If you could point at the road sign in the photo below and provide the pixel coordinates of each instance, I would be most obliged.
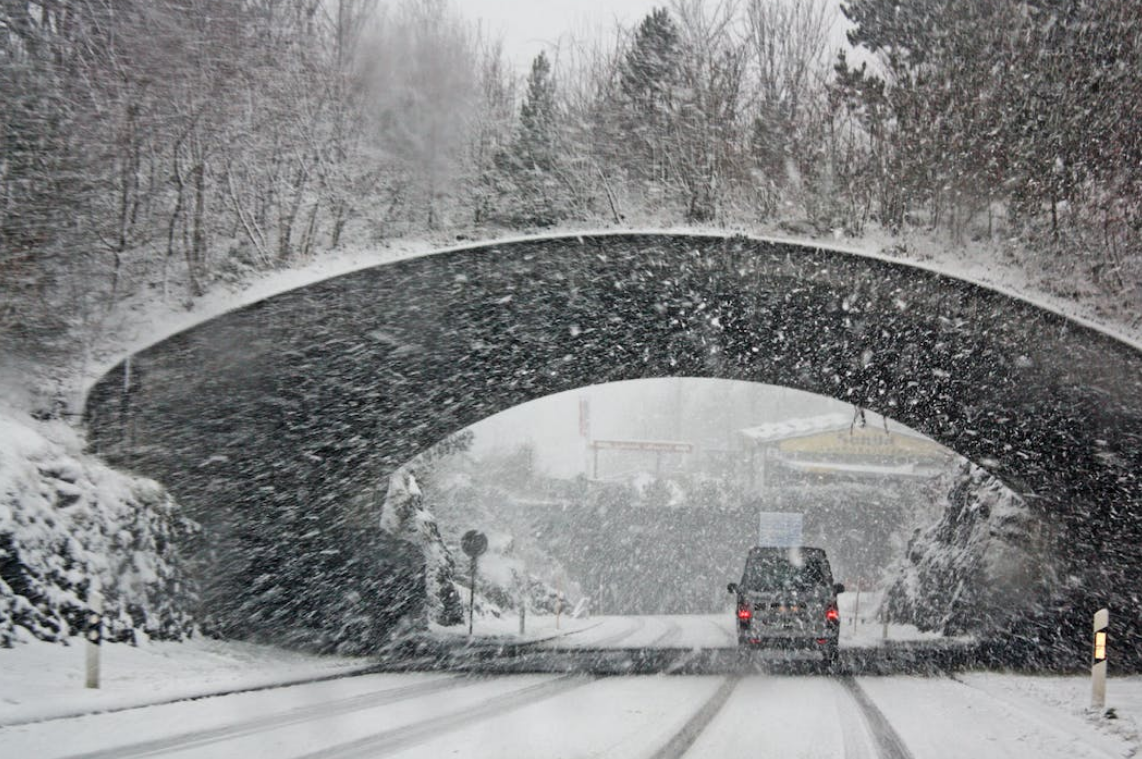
(654, 446)
(779, 528)
(657, 447)
(474, 543)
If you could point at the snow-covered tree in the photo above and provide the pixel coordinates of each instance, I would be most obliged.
(403, 515)
(67, 521)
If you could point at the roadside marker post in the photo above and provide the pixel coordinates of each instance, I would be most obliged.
(521, 590)
(94, 633)
(473, 543)
(1098, 660)
(559, 603)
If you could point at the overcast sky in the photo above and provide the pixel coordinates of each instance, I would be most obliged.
(705, 412)
(528, 26)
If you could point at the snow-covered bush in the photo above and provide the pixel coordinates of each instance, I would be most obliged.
(66, 519)
(404, 516)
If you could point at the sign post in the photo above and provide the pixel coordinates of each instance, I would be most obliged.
(474, 543)
(1098, 660)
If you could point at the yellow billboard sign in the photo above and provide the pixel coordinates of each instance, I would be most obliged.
(863, 443)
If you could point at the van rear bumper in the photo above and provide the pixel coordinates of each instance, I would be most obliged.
(755, 639)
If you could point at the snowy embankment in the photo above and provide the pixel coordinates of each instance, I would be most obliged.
(985, 558)
(41, 681)
(68, 520)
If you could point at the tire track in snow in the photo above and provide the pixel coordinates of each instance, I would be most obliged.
(731, 637)
(610, 640)
(371, 669)
(399, 738)
(681, 742)
(273, 721)
(888, 743)
(672, 630)
(856, 734)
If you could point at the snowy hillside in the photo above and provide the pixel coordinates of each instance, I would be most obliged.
(66, 518)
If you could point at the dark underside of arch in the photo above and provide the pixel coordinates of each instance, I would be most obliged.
(285, 411)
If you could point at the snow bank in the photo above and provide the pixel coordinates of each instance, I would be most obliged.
(65, 519)
(40, 681)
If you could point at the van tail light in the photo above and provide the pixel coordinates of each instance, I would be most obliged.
(744, 614)
(832, 614)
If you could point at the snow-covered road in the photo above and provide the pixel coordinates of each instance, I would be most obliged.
(752, 709)
(705, 631)
(681, 631)
(433, 715)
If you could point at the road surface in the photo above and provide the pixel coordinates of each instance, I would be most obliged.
(748, 713)
(419, 716)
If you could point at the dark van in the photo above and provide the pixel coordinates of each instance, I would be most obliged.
(787, 599)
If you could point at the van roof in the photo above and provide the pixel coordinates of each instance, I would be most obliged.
(786, 549)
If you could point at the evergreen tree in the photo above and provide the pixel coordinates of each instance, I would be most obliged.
(1034, 105)
(946, 67)
(537, 188)
(535, 145)
(648, 79)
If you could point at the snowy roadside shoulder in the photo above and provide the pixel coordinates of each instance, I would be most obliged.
(504, 630)
(41, 681)
(1046, 696)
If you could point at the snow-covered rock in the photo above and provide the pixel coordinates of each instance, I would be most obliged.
(67, 519)
(985, 562)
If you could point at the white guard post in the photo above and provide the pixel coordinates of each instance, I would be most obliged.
(94, 633)
(559, 603)
(521, 591)
(1098, 660)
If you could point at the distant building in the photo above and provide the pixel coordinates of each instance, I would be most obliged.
(837, 447)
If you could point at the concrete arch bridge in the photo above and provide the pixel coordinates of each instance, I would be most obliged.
(268, 422)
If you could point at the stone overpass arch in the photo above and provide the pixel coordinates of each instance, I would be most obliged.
(296, 404)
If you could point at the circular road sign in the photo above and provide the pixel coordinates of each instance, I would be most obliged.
(474, 543)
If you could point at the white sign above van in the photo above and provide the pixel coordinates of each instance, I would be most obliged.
(779, 528)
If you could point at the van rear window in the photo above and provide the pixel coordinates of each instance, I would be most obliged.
(777, 572)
